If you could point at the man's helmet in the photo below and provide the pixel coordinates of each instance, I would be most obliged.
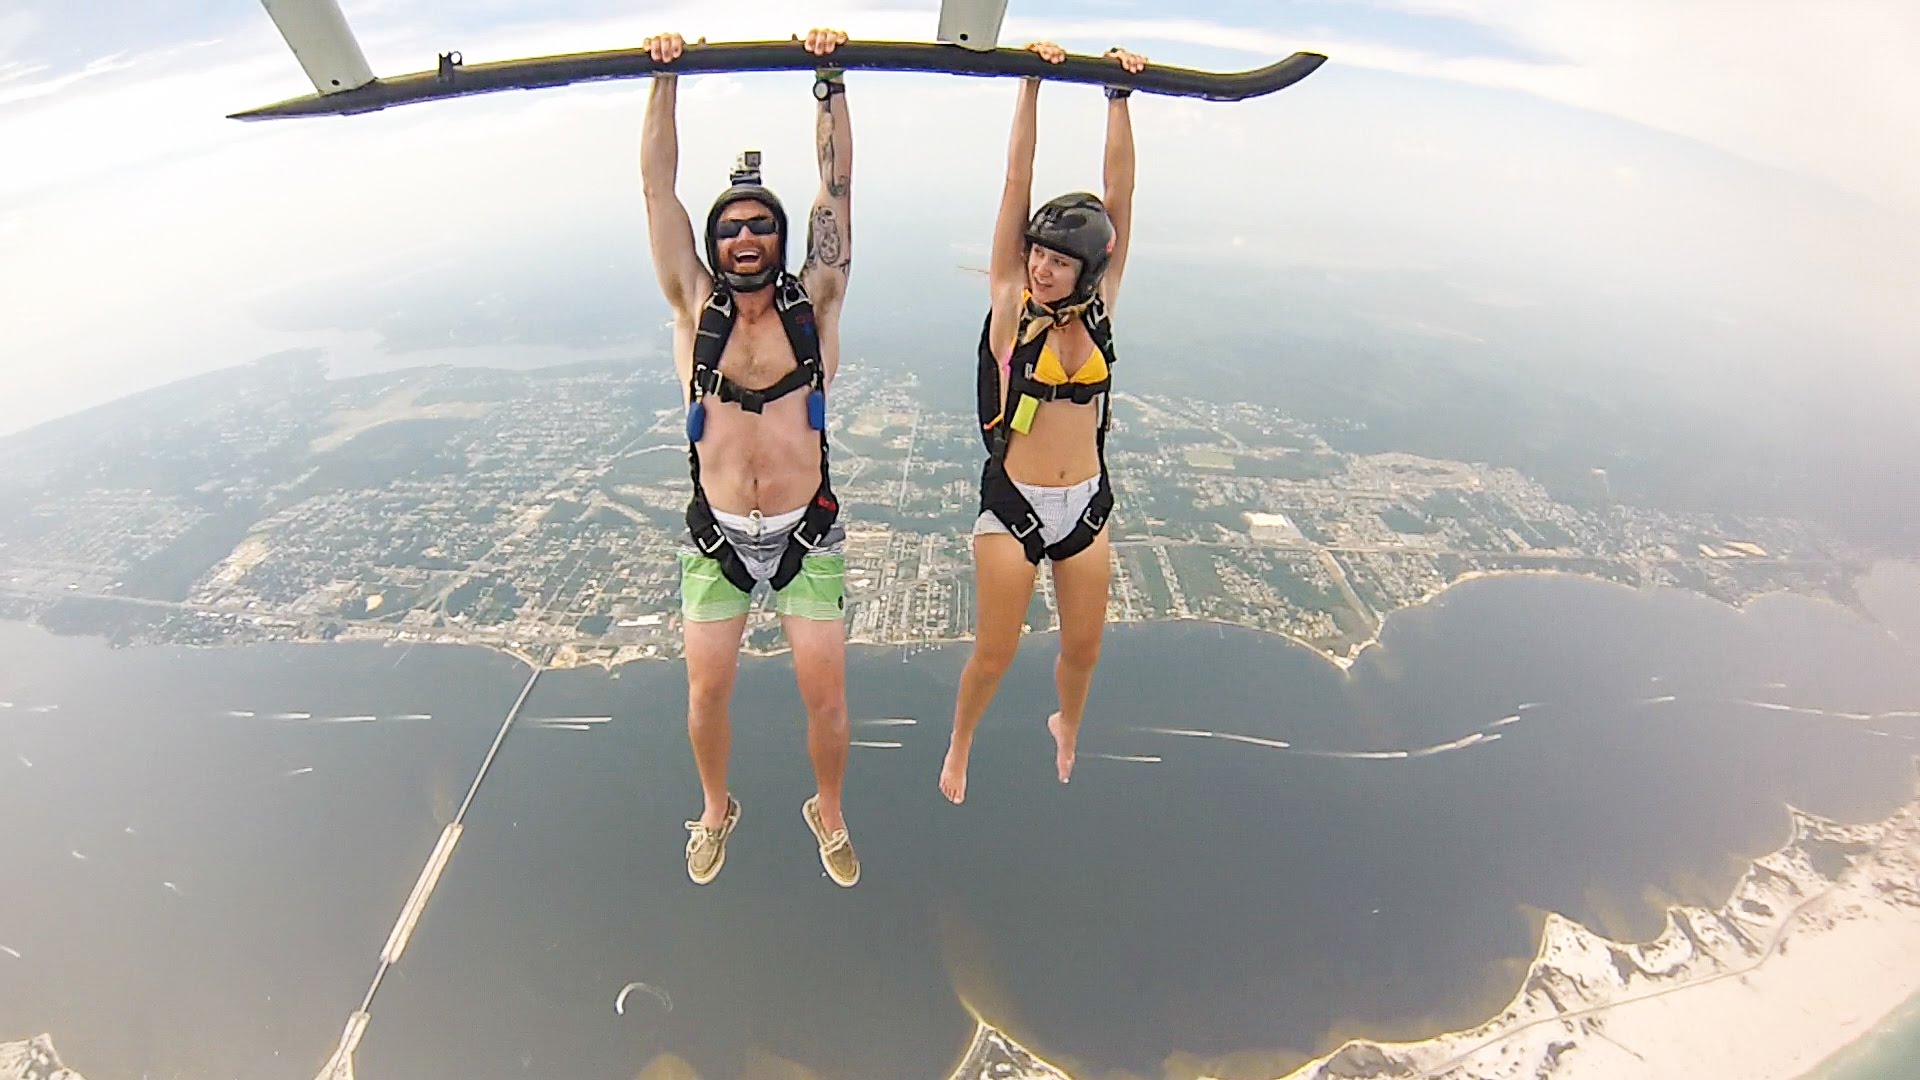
(745, 180)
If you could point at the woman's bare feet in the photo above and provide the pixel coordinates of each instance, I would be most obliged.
(953, 774)
(1064, 738)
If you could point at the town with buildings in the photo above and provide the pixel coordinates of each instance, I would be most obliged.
(542, 512)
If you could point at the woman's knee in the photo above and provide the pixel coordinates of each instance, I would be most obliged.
(1080, 651)
(992, 658)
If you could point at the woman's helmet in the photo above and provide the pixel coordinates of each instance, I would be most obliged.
(1076, 226)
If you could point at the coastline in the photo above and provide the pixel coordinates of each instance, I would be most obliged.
(34, 1059)
(1344, 663)
(577, 654)
(1794, 967)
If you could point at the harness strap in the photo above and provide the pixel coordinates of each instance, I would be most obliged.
(998, 493)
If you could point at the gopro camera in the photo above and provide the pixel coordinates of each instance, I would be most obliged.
(746, 169)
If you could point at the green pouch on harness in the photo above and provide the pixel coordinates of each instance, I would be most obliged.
(1023, 413)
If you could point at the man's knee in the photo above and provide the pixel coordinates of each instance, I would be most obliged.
(823, 690)
(708, 693)
(827, 713)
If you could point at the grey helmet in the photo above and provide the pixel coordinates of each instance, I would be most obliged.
(1076, 226)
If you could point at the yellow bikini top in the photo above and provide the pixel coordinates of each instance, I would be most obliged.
(1049, 370)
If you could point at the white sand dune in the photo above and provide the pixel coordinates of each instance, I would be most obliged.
(1717, 994)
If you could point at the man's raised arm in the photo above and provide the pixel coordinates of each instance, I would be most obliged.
(830, 225)
(675, 260)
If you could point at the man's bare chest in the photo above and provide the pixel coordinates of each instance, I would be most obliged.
(758, 354)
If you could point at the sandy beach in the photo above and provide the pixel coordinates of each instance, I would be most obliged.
(1792, 968)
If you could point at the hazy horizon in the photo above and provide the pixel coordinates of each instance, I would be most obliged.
(149, 238)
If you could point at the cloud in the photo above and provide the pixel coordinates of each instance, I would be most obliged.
(14, 69)
(45, 87)
(1830, 92)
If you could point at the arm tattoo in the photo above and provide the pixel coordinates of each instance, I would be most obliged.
(829, 166)
(825, 246)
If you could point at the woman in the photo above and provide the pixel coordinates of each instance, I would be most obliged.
(1045, 353)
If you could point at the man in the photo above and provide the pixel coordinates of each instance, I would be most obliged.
(756, 349)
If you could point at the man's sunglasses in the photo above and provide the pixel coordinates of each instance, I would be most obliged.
(728, 228)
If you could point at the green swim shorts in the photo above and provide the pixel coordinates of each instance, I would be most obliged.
(816, 593)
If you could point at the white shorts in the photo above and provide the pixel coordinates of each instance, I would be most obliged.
(1058, 508)
(761, 541)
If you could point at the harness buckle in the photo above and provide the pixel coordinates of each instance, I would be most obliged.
(1033, 526)
(753, 401)
(790, 294)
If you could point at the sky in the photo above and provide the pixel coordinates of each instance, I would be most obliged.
(1749, 160)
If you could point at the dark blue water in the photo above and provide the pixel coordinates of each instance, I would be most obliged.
(1231, 907)
(283, 887)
